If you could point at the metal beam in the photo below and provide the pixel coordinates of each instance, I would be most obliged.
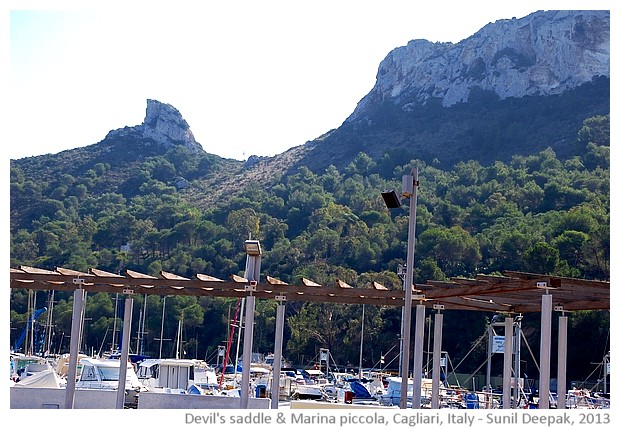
(277, 353)
(507, 363)
(437, 336)
(545, 351)
(562, 352)
(124, 358)
(74, 346)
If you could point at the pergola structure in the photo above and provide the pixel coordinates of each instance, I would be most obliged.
(514, 292)
(511, 294)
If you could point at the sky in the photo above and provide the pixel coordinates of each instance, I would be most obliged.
(249, 77)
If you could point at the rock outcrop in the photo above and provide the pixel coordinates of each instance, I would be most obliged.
(163, 125)
(544, 53)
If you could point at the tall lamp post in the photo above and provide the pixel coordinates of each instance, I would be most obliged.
(252, 274)
(391, 199)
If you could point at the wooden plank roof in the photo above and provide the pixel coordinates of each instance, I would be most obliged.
(512, 292)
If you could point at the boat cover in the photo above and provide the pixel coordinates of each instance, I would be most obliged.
(359, 390)
(46, 378)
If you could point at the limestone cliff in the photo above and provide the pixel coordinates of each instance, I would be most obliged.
(544, 53)
(162, 125)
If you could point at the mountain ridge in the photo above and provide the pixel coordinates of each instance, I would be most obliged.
(544, 53)
(392, 123)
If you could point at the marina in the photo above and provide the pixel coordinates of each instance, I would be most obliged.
(183, 383)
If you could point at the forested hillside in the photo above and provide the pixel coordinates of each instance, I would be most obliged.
(538, 213)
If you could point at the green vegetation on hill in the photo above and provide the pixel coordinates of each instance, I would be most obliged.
(537, 212)
(484, 128)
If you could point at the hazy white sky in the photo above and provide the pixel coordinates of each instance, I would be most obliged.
(250, 77)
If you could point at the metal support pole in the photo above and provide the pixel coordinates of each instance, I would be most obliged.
(418, 356)
(517, 364)
(605, 371)
(562, 348)
(252, 274)
(406, 330)
(74, 347)
(489, 388)
(545, 351)
(161, 332)
(402, 335)
(359, 375)
(247, 350)
(122, 374)
(277, 353)
(508, 321)
(437, 337)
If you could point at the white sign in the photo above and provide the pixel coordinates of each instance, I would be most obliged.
(499, 343)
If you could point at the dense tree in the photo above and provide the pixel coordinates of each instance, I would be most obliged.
(538, 213)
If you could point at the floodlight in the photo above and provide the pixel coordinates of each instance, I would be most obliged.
(252, 247)
(391, 199)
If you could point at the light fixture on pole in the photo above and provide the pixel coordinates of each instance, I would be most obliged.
(391, 199)
(252, 247)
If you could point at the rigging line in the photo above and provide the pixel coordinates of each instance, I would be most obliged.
(103, 342)
(209, 357)
(453, 369)
(232, 333)
(314, 359)
(334, 361)
(530, 350)
(599, 365)
(390, 362)
(386, 353)
(475, 371)
(478, 341)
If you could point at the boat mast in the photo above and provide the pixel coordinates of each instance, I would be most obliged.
(141, 350)
(138, 334)
(239, 335)
(179, 350)
(114, 325)
(232, 333)
(49, 327)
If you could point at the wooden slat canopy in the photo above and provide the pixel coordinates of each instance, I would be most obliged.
(513, 292)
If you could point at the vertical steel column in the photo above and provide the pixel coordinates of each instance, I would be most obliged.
(562, 350)
(517, 364)
(252, 273)
(508, 321)
(437, 337)
(122, 374)
(402, 336)
(409, 182)
(248, 336)
(418, 356)
(74, 346)
(359, 375)
(489, 389)
(161, 332)
(545, 351)
(277, 353)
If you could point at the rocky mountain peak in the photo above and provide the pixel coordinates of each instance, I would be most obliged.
(165, 125)
(544, 53)
(162, 125)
